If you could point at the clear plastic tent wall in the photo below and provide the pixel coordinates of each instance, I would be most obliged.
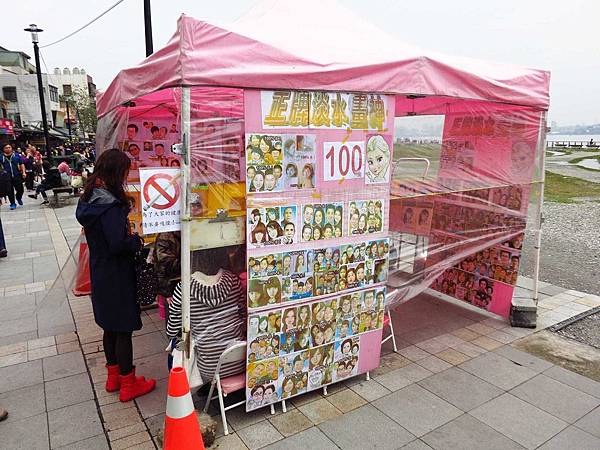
(464, 177)
(325, 244)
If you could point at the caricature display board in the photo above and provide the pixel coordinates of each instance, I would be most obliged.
(317, 185)
(148, 143)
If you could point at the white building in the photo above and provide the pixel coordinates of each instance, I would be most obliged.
(19, 89)
(68, 81)
(19, 98)
(21, 94)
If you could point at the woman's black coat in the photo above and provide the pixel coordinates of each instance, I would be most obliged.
(112, 264)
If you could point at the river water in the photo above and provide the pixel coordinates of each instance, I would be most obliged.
(573, 137)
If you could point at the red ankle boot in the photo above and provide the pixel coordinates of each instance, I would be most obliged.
(133, 387)
(112, 381)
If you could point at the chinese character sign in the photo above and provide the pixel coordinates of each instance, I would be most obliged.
(327, 110)
(161, 204)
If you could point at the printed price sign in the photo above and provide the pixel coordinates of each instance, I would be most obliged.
(343, 160)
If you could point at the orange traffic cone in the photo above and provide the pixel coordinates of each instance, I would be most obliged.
(83, 284)
(182, 431)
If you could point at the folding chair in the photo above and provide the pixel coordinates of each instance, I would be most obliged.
(236, 352)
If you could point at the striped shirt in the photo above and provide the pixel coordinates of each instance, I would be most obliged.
(217, 317)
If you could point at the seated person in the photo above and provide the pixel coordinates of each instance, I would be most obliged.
(217, 312)
(52, 179)
(65, 173)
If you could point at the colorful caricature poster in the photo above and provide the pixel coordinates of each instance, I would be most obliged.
(297, 275)
(486, 275)
(264, 163)
(299, 161)
(148, 144)
(272, 226)
(365, 217)
(300, 348)
(278, 162)
(322, 221)
(379, 157)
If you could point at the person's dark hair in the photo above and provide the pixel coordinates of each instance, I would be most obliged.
(210, 261)
(154, 128)
(131, 125)
(256, 388)
(111, 168)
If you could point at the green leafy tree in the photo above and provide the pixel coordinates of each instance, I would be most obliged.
(82, 107)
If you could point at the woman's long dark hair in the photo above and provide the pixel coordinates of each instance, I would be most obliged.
(110, 172)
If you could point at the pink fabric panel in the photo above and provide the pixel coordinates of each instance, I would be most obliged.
(233, 383)
(501, 300)
(370, 350)
(254, 53)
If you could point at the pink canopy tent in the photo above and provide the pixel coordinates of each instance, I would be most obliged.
(313, 53)
(487, 167)
(205, 79)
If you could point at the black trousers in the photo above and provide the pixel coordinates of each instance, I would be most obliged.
(118, 349)
(29, 180)
(16, 189)
(41, 189)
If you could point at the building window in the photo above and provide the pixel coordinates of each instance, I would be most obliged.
(53, 93)
(9, 93)
(67, 90)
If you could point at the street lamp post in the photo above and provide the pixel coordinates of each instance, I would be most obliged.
(68, 120)
(34, 30)
(148, 28)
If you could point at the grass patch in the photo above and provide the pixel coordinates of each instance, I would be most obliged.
(564, 150)
(563, 189)
(576, 161)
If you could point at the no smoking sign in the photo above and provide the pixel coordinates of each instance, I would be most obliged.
(160, 200)
(164, 187)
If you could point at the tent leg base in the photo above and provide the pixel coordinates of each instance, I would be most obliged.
(523, 313)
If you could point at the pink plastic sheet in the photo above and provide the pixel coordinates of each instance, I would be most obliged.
(456, 231)
(459, 229)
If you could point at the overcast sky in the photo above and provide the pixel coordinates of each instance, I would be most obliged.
(558, 35)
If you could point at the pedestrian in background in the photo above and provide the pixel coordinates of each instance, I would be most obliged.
(14, 167)
(29, 167)
(52, 179)
(102, 211)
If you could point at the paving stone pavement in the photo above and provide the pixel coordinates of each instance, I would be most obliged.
(455, 383)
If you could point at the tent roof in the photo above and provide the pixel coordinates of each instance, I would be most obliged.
(317, 45)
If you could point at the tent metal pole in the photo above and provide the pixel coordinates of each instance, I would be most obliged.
(540, 201)
(185, 223)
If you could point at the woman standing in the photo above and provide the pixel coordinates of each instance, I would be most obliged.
(103, 210)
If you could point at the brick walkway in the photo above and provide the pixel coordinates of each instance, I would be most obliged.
(456, 381)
